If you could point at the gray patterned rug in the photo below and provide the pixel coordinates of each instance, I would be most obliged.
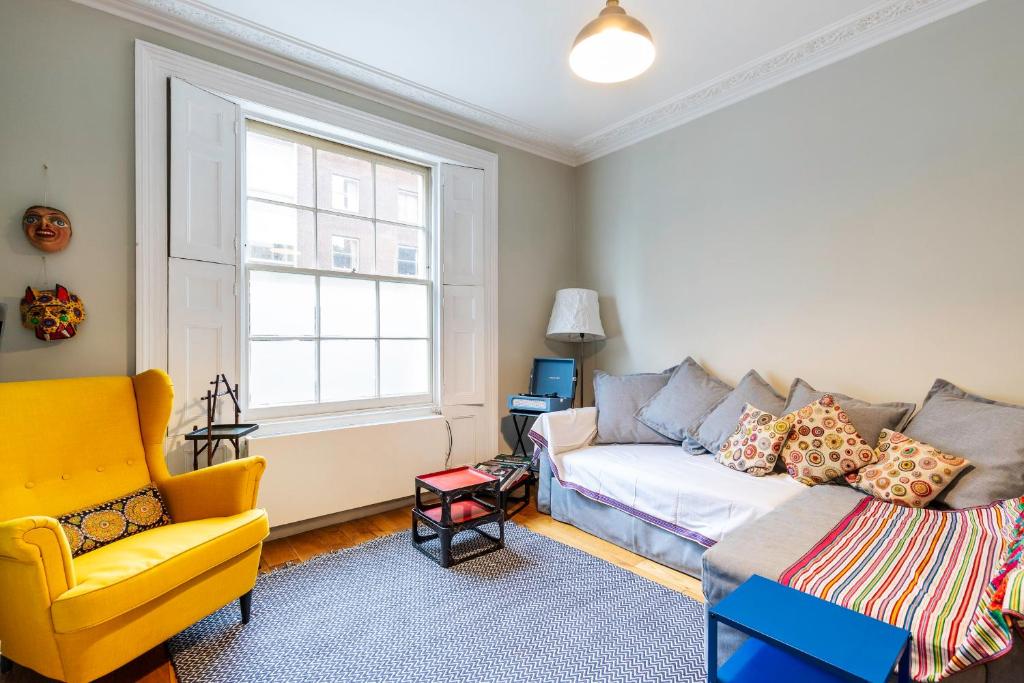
(536, 611)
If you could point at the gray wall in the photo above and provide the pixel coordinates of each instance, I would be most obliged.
(66, 99)
(860, 226)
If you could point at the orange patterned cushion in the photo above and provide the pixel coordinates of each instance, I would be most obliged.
(107, 522)
(824, 444)
(908, 472)
(755, 445)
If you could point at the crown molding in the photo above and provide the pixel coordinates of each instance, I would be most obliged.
(200, 23)
(884, 21)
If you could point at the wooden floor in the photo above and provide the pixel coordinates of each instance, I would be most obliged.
(154, 666)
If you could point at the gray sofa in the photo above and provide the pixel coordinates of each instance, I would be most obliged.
(766, 546)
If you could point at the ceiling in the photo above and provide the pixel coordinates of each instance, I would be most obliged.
(501, 66)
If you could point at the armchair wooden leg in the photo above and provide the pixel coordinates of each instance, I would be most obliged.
(5, 665)
(245, 602)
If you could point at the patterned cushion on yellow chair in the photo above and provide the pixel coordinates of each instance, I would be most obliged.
(824, 444)
(909, 472)
(105, 523)
(755, 445)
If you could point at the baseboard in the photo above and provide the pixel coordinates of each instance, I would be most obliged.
(286, 530)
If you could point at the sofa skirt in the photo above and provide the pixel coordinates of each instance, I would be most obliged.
(615, 526)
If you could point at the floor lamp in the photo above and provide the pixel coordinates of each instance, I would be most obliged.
(576, 317)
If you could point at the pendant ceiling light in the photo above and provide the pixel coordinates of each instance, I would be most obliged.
(614, 47)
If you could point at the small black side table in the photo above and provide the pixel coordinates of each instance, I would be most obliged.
(520, 427)
(212, 436)
(460, 508)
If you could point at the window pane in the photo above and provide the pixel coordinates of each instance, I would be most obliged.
(404, 310)
(400, 194)
(278, 169)
(345, 244)
(404, 367)
(344, 183)
(282, 372)
(347, 370)
(281, 304)
(401, 251)
(278, 235)
(348, 308)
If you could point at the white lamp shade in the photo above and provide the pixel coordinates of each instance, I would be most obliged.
(576, 316)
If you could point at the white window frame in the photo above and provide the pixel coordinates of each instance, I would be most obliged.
(432, 188)
(353, 254)
(154, 65)
(346, 184)
(406, 194)
(399, 260)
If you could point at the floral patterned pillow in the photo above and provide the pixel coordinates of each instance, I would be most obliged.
(755, 445)
(908, 472)
(824, 444)
(105, 523)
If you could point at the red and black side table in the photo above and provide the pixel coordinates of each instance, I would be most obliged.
(461, 506)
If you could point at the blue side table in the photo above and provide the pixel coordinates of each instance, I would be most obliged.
(798, 637)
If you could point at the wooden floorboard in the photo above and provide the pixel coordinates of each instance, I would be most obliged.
(155, 667)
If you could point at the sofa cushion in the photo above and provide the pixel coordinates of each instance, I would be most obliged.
(119, 577)
(869, 418)
(771, 544)
(100, 525)
(695, 498)
(617, 399)
(689, 395)
(755, 445)
(824, 443)
(988, 433)
(908, 473)
(718, 425)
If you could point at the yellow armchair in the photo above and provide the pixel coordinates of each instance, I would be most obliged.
(67, 444)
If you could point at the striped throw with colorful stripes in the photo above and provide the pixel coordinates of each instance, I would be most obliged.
(954, 579)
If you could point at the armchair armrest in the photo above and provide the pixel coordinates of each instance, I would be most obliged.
(39, 542)
(218, 491)
(565, 430)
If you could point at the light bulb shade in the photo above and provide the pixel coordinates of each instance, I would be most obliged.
(614, 47)
(576, 316)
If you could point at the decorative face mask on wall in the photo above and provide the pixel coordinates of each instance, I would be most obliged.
(46, 228)
(53, 313)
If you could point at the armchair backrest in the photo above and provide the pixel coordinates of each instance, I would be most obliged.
(69, 443)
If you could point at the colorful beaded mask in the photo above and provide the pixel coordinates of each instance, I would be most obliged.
(53, 313)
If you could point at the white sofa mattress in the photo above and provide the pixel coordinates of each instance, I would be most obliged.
(692, 496)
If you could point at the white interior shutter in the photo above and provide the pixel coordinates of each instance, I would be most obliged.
(463, 345)
(201, 337)
(462, 226)
(203, 175)
(464, 340)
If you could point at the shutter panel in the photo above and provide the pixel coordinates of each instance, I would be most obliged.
(463, 345)
(462, 226)
(201, 316)
(203, 175)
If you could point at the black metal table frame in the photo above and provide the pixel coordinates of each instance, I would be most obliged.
(520, 501)
(521, 428)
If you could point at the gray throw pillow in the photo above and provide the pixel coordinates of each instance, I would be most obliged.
(617, 399)
(869, 418)
(690, 394)
(988, 433)
(716, 428)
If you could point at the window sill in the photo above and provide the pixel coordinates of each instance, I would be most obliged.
(323, 423)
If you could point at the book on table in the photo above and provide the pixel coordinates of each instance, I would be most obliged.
(508, 474)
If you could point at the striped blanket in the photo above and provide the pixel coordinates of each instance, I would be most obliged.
(955, 579)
